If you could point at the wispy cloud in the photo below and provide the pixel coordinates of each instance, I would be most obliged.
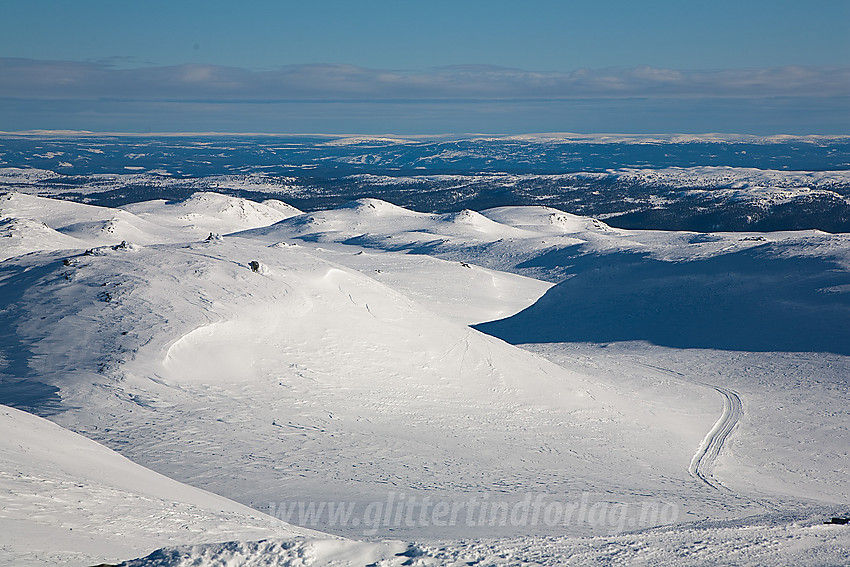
(44, 80)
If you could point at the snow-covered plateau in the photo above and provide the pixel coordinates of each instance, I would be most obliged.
(221, 381)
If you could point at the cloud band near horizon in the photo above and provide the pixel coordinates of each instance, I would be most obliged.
(324, 98)
(44, 80)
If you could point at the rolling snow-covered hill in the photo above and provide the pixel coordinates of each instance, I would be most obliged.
(326, 358)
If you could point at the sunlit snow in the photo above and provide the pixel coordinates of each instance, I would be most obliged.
(505, 386)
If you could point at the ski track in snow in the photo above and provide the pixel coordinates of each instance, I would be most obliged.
(709, 449)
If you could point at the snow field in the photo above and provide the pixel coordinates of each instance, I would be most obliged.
(326, 357)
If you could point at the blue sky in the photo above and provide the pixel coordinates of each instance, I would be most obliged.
(763, 67)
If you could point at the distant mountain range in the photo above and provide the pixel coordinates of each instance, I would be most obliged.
(699, 183)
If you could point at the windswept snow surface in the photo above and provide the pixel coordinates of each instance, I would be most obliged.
(68, 501)
(283, 553)
(802, 543)
(320, 367)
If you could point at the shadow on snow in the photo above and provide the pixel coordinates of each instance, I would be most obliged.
(751, 300)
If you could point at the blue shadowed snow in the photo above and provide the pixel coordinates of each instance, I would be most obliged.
(750, 300)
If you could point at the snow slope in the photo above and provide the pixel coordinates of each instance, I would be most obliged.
(758, 294)
(40, 223)
(68, 500)
(266, 367)
(23, 235)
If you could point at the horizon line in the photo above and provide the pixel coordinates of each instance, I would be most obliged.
(708, 136)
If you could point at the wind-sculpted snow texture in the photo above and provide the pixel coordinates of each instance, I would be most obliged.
(321, 367)
(802, 544)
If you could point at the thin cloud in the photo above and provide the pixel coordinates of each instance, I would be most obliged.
(57, 80)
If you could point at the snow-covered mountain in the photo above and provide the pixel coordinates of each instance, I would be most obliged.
(687, 388)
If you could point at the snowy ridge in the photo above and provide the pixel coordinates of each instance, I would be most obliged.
(664, 138)
(25, 176)
(732, 178)
(86, 225)
(46, 183)
(213, 212)
(23, 235)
